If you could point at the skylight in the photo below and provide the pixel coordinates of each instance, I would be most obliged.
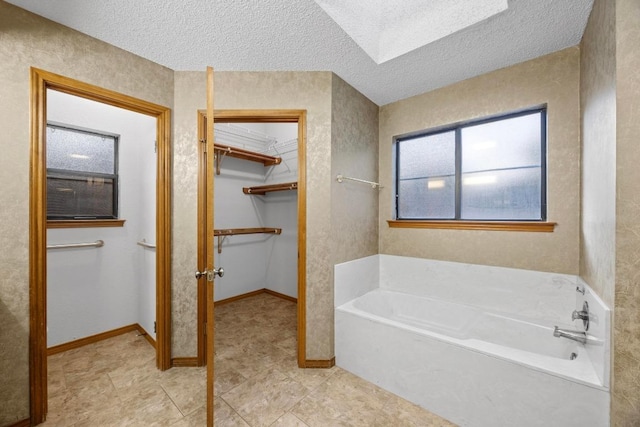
(386, 29)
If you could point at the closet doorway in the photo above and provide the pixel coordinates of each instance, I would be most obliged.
(259, 177)
(64, 110)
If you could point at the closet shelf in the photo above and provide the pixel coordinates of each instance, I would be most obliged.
(264, 189)
(224, 150)
(223, 233)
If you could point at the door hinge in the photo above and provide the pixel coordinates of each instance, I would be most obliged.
(154, 327)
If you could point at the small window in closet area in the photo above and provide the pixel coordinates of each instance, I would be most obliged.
(82, 173)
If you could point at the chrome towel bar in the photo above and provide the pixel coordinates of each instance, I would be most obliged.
(96, 244)
(144, 244)
(341, 178)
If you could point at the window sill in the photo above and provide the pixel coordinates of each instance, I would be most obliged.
(85, 223)
(532, 226)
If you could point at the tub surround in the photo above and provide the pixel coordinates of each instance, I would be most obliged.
(387, 315)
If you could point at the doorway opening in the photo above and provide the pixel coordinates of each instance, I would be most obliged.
(45, 85)
(259, 139)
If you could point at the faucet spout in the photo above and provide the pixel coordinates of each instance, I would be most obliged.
(579, 336)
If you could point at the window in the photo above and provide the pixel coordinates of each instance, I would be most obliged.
(82, 167)
(489, 170)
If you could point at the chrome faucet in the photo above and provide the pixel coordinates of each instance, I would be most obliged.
(582, 315)
(579, 336)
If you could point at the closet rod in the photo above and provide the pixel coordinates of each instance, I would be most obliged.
(223, 233)
(96, 244)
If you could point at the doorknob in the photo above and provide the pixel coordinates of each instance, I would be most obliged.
(210, 274)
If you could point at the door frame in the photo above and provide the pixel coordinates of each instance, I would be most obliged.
(262, 116)
(41, 81)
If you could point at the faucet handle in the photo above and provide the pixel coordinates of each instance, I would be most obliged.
(582, 315)
(579, 315)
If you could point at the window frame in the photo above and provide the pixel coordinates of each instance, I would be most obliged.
(66, 221)
(467, 223)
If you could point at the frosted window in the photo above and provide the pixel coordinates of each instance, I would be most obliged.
(426, 183)
(82, 181)
(75, 150)
(502, 170)
(489, 170)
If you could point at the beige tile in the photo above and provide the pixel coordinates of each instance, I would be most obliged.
(289, 420)
(187, 388)
(115, 382)
(225, 416)
(408, 414)
(265, 397)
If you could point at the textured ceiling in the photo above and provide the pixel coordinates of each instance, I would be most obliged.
(298, 35)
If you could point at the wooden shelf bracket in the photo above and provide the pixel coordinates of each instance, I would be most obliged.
(264, 189)
(222, 234)
(225, 150)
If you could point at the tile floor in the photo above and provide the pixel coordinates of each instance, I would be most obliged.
(115, 382)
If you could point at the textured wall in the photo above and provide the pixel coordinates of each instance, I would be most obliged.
(253, 90)
(598, 105)
(354, 153)
(626, 388)
(551, 80)
(27, 40)
(190, 95)
(354, 206)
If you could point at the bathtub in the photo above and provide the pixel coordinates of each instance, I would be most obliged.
(473, 344)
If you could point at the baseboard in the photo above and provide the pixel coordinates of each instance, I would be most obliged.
(23, 423)
(146, 335)
(184, 362)
(239, 297)
(99, 337)
(320, 363)
(279, 295)
(255, 293)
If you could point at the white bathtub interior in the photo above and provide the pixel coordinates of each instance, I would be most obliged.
(478, 314)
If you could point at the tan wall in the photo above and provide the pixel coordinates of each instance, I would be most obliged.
(354, 206)
(626, 328)
(309, 91)
(354, 153)
(598, 105)
(27, 40)
(551, 80)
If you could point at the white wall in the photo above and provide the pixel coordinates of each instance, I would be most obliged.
(257, 261)
(91, 290)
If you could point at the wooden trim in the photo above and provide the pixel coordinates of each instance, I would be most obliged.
(320, 363)
(256, 293)
(23, 423)
(255, 230)
(37, 252)
(99, 337)
(202, 238)
(84, 223)
(163, 239)
(41, 81)
(240, 297)
(209, 257)
(279, 295)
(281, 116)
(302, 238)
(532, 226)
(264, 189)
(239, 153)
(146, 336)
(184, 362)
